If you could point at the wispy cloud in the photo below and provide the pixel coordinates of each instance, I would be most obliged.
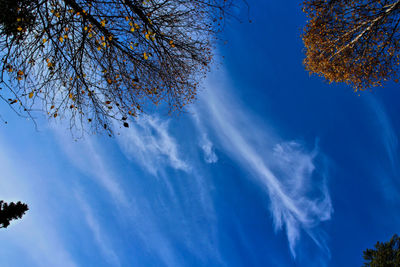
(150, 144)
(386, 131)
(204, 142)
(285, 170)
(87, 156)
(37, 234)
(99, 234)
(389, 139)
(208, 149)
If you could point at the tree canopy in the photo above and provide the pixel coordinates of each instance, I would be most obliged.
(12, 211)
(384, 255)
(353, 41)
(95, 61)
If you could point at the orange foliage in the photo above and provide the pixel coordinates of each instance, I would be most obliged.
(352, 41)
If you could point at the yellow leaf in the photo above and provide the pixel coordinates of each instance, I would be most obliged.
(61, 39)
(20, 73)
(145, 56)
(132, 29)
(31, 94)
(19, 28)
(44, 40)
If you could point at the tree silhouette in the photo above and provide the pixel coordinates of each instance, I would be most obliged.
(10, 212)
(384, 255)
(353, 41)
(97, 61)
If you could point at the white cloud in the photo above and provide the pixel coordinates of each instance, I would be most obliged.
(99, 234)
(208, 149)
(87, 156)
(150, 144)
(37, 234)
(285, 170)
(205, 143)
(389, 139)
(386, 131)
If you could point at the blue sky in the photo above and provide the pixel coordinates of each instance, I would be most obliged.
(270, 167)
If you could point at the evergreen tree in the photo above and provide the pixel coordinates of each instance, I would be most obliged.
(10, 212)
(384, 255)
